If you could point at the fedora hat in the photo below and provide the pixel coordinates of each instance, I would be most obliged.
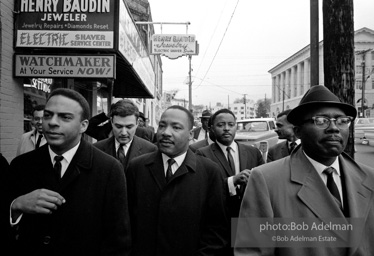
(318, 96)
(206, 114)
(141, 115)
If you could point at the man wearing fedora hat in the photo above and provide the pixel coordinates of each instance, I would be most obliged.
(318, 181)
(201, 133)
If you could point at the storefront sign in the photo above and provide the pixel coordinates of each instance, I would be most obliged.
(65, 23)
(174, 46)
(96, 66)
(41, 84)
(131, 46)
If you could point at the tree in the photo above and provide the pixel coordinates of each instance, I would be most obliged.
(263, 108)
(338, 54)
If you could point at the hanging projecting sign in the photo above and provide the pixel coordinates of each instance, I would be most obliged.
(92, 66)
(174, 46)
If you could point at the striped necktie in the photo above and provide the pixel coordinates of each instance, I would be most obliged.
(169, 172)
(331, 185)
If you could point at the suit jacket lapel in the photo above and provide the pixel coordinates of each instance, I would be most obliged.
(313, 192)
(135, 149)
(359, 193)
(222, 159)
(284, 149)
(243, 157)
(359, 190)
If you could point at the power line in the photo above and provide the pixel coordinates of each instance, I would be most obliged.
(220, 43)
(210, 40)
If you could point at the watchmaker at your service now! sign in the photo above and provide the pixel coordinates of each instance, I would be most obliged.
(65, 23)
(98, 66)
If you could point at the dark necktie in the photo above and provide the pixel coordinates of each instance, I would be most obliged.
(332, 186)
(206, 134)
(292, 146)
(57, 166)
(121, 154)
(169, 172)
(39, 140)
(230, 159)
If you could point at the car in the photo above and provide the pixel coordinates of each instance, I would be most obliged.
(258, 132)
(362, 124)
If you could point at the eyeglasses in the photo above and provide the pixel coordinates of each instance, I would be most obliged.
(342, 122)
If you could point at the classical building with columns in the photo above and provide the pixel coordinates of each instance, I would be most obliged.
(291, 77)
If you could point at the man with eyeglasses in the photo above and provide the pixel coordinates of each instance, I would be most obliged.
(33, 139)
(317, 183)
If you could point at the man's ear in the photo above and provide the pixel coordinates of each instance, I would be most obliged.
(190, 137)
(84, 125)
(297, 131)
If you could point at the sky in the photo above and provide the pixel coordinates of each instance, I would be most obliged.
(239, 42)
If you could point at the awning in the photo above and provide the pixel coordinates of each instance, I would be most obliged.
(127, 83)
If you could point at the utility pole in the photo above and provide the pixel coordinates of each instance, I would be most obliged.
(266, 108)
(363, 83)
(314, 44)
(190, 85)
(245, 107)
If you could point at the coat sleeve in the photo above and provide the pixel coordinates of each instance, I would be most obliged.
(270, 156)
(215, 235)
(117, 233)
(256, 204)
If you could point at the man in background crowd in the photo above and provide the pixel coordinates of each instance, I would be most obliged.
(142, 131)
(201, 133)
(205, 142)
(285, 132)
(33, 139)
(125, 144)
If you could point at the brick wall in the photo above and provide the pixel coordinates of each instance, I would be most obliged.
(11, 90)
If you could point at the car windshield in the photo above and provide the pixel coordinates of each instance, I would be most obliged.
(365, 121)
(259, 126)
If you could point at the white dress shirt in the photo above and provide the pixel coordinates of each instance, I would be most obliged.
(336, 174)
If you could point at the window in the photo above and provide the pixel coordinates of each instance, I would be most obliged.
(358, 84)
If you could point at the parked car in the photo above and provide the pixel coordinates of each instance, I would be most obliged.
(362, 124)
(258, 132)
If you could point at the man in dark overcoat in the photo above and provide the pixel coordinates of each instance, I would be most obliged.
(176, 198)
(67, 197)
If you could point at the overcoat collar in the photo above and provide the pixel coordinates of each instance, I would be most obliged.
(82, 161)
(156, 168)
(222, 158)
(313, 192)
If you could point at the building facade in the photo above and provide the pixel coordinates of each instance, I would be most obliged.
(291, 78)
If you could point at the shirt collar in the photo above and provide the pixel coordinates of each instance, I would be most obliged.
(321, 167)
(68, 155)
(296, 141)
(234, 147)
(127, 145)
(178, 160)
